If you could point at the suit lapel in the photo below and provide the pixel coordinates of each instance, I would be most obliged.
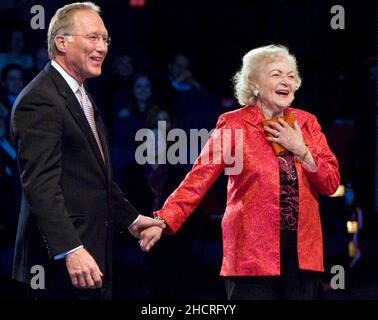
(77, 113)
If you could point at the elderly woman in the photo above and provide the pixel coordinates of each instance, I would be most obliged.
(272, 238)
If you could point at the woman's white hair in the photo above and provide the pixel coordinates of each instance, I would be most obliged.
(245, 79)
(62, 22)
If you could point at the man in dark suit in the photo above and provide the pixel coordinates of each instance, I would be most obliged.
(70, 205)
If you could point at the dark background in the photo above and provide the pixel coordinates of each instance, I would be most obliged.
(338, 68)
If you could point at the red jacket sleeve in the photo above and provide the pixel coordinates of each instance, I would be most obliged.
(327, 178)
(182, 202)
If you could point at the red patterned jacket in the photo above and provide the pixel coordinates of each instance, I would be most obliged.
(251, 224)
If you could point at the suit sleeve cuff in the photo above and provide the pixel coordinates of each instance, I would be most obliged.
(62, 255)
(135, 221)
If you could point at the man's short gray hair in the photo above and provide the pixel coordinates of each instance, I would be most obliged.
(62, 22)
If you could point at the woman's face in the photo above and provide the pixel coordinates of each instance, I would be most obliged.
(276, 83)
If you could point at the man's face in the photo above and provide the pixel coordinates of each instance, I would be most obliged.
(84, 57)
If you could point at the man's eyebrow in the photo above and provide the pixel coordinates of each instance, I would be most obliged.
(97, 34)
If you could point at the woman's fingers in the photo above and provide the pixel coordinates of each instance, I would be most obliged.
(271, 131)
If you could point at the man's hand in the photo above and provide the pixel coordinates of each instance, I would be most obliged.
(149, 237)
(83, 270)
(143, 223)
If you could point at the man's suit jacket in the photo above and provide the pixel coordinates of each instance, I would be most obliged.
(68, 198)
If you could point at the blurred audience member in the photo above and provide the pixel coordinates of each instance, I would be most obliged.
(156, 114)
(119, 88)
(190, 106)
(16, 52)
(140, 100)
(132, 113)
(130, 117)
(124, 68)
(149, 184)
(9, 184)
(12, 80)
(177, 77)
(41, 57)
(180, 74)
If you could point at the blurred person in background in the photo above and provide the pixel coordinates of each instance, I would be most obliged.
(9, 182)
(12, 80)
(16, 53)
(141, 99)
(120, 86)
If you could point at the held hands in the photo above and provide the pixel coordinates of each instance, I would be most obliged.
(83, 270)
(288, 137)
(144, 222)
(148, 230)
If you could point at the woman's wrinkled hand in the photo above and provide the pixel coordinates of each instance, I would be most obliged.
(288, 137)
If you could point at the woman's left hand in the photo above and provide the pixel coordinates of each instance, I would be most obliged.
(288, 137)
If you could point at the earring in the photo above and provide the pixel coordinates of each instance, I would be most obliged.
(255, 92)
